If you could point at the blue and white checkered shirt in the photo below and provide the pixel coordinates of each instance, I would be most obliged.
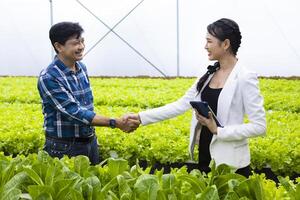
(67, 100)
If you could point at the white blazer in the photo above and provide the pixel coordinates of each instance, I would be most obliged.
(240, 96)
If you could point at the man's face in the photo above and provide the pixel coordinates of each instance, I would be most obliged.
(72, 49)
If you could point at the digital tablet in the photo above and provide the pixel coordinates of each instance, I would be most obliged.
(203, 108)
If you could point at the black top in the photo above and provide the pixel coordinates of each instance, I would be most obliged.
(211, 96)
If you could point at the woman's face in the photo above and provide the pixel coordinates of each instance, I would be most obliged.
(214, 47)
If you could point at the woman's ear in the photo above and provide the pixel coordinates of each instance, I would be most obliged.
(226, 44)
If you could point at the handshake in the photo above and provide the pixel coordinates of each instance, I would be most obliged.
(128, 123)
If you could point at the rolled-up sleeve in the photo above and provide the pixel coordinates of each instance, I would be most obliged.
(54, 93)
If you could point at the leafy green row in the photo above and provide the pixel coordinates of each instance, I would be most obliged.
(115, 92)
(280, 149)
(279, 95)
(21, 133)
(42, 177)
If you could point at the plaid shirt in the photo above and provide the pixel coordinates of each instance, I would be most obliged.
(67, 100)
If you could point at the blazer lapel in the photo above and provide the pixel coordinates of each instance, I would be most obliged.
(226, 95)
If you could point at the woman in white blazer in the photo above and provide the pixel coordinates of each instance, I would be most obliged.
(233, 93)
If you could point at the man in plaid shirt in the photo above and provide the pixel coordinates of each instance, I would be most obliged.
(67, 99)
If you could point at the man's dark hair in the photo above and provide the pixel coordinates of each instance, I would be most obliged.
(63, 31)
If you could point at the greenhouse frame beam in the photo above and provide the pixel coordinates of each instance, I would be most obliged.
(122, 39)
(51, 23)
(113, 27)
(178, 42)
(127, 43)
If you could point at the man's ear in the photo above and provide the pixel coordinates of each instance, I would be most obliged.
(58, 46)
(226, 44)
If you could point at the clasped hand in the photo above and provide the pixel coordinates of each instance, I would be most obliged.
(129, 122)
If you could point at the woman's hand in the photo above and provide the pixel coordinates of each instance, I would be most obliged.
(209, 122)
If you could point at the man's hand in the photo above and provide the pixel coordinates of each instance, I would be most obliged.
(132, 116)
(128, 123)
(209, 122)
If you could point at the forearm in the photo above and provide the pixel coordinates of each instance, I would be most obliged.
(170, 110)
(99, 120)
(162, 113)
(242, 131)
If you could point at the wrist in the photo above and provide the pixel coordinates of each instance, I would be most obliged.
(112, 123)
(215, 130)
(139, 118)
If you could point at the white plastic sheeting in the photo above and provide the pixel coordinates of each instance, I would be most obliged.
(270, 29)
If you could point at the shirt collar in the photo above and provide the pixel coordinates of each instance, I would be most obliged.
(66, 70)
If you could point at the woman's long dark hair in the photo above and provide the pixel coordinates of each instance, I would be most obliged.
(222, 29)
(210, 70)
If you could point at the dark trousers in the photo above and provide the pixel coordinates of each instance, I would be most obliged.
(58, 148)
(245, 171)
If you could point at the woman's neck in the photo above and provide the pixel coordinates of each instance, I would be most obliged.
(227, 62)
